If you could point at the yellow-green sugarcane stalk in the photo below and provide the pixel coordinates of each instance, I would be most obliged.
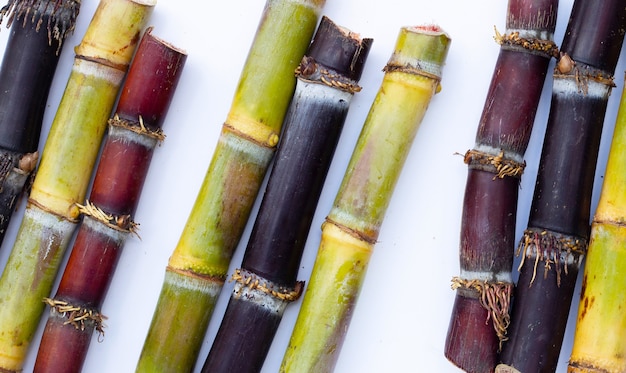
(199, 264)
(599, 344)
(67, 162)
(350, 231)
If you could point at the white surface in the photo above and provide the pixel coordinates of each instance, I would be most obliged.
(402, 316)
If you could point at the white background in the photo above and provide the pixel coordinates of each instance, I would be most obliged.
(402, 316)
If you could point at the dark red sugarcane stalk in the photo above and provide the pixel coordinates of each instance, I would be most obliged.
(480, 315)
(28, 67)
(134, 132)
(554, 244)
(266, 283)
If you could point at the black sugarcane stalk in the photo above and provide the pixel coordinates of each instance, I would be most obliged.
(266, 283)
(556, 239)
(37, 32)
(480, 316)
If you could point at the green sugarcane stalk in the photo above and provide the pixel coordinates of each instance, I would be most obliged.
(66, 165)
(599, 344)
(351, 229)
(198, 266)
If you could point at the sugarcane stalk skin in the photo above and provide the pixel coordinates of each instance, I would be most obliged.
(198, 266)
(31, 57)
(555, 242)
(598, 339)
(64, 172)
(480, 315)
(411, 78)
(266, 282)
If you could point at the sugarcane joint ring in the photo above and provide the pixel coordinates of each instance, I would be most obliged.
(311, 71)
(78, 317)
(407, 69)
(545, 47)
(255, 282)
(121, 223)
(553, 249)
(137, 127)
(496, 164)
(582, 74)
(494, 296)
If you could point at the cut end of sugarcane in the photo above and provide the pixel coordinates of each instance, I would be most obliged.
(164, 42)
(146, 2)
(428, 29)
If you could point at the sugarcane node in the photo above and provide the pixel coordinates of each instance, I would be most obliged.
(582, 74)
(353, 232)
(137, 127)
(311, 71)
(553, 249)
(28, 162)
(72, 215)
(413, 70)
(122, 223)
(253, 281)
(61, 16)
(496, 164)
(78, 317)
(189, 272)
(513, 39)
(495, 297)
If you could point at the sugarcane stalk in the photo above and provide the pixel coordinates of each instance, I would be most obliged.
(480, 315)
(598, 339)
(38, 31)
(198, 267)
(412, 77)
(555, 241)
(266, 282)
(63, 175)
(133, 133)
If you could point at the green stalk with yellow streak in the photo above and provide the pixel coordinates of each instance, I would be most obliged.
(198, 267)
(599, 344)
(62, 179)
(350, 231)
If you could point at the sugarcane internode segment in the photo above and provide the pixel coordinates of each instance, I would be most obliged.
(311, 71)
(251, 281)
(552, 249)
(531, 44)
(496, 164)
(61, 16)
(584, 76)
(137, 127)
(122, 222)
(78, 317)
(494, 296)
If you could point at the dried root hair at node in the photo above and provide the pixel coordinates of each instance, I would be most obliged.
(254, 282)
(545, 47)
(78, 317)
(567, 68)
(61, 16)
(137, 127)
(552, 249)
(498, 164)
(311, 71)
(495, 297)
(121, 223)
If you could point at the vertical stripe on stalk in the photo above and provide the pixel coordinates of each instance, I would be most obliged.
(266, 282)
(231, 184)
(353, 224)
